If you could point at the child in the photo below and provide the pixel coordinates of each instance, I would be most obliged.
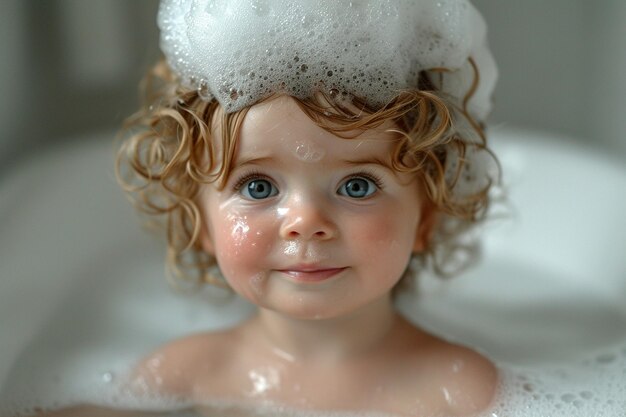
(302, 155)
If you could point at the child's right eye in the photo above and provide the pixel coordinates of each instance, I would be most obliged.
(257, 189)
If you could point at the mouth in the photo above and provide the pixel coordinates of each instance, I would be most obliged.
(311, 273)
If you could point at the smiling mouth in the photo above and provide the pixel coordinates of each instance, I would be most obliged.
(311, 274)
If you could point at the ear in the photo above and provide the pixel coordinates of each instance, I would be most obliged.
(426, 227)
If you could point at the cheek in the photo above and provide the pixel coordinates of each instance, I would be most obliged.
(241, 243)
(385, 236)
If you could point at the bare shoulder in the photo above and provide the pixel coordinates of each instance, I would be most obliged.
(466, 379)
(173, 368)
(435, 377)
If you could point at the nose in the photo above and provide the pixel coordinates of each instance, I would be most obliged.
(307, 220)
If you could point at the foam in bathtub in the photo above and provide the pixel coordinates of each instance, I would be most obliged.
(60, 372)
(524, 392)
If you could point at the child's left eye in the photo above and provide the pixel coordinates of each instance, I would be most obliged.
(357, 187)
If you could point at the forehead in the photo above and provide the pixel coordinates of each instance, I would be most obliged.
(281, 125)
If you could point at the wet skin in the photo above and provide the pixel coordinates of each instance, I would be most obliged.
(316, 230)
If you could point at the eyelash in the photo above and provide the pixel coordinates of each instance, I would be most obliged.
(253, 175)
(376, 179)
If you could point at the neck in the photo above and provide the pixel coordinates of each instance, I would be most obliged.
(331, 339)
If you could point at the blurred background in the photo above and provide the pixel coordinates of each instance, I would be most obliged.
(69, 68)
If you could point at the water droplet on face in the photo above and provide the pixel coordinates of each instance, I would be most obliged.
(240, 228)
(308, 152)
(107, 377)
(291, 248)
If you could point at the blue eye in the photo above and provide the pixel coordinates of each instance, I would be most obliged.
(358, 187)
(258, 189)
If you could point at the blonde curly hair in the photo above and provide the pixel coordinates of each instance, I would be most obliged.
(168, 152)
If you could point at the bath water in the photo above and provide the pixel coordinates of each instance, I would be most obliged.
(83, 294)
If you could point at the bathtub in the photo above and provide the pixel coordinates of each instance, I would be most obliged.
(83, 293)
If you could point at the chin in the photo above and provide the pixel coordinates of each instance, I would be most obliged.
(300, 309)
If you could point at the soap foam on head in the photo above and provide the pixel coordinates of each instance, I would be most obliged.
(240, 51)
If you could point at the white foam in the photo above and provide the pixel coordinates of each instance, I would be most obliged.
(594, 386)
(240, 51)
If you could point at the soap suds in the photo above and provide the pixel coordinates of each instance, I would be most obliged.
(241, 51)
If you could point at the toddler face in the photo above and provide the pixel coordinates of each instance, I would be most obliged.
(310, 224)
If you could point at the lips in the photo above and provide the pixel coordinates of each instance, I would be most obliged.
(311, 273)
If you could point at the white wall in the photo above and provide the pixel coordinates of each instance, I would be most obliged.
(12, 63)
(69, 67)
(562, 66)
(607, 81)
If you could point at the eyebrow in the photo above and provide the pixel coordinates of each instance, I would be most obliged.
(369, 161)
(373, 160)
(239, 162)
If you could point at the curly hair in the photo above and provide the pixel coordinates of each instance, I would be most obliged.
(168, 152)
